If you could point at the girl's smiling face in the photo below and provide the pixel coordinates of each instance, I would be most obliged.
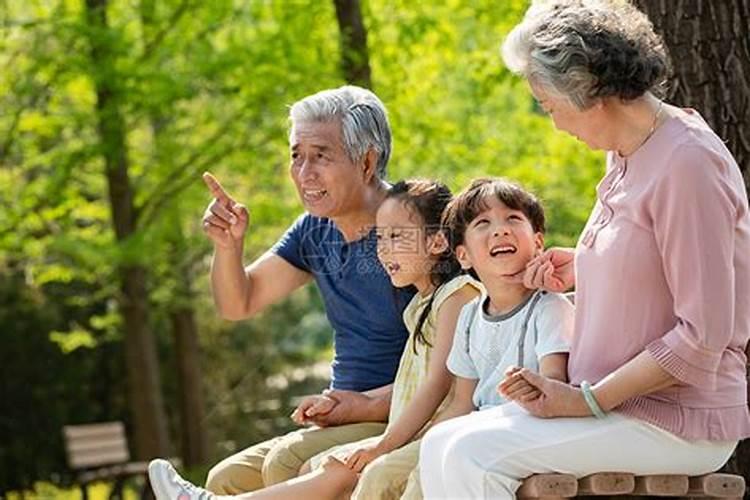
(405, 249)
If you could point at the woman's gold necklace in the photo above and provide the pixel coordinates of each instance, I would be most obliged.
(651, 130)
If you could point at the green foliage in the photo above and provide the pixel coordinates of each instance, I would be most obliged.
(204, 86)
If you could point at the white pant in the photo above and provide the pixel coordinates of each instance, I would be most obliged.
(486, 453)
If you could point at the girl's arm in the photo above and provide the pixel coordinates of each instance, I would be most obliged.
(433, 390)
(430, 392)
(462, 402)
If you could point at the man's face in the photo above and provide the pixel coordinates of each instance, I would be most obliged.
(328, 182)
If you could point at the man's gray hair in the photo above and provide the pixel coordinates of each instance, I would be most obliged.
(363, 118)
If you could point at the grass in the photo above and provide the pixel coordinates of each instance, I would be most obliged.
(97, 491)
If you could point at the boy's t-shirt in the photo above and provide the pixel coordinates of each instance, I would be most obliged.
(493, 341)
(363, 307)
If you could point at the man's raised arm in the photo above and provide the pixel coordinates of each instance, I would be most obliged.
(240, 293)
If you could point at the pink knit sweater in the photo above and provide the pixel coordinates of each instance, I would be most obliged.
(664, 265)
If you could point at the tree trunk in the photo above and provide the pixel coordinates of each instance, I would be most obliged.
(709, 44)
(193, 436)
(145, 398)
(194, 440)
(355, 60)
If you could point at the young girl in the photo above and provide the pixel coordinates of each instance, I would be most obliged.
(414, 251)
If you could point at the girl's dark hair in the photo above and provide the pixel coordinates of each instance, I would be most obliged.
(428, 199)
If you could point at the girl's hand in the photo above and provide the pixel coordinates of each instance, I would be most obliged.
(553, 270)
(363, 456)
(554, 398)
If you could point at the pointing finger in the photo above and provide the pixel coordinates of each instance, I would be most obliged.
(215, 187)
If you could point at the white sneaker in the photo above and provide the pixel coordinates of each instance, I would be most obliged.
(168, 485)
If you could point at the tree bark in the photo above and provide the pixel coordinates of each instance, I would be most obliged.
(194, 441)
(709, 44)
(355, 59)
(192, 431)
(145, 398)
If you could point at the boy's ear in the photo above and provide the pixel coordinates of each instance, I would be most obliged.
(370, 165)
(539, 242)
(437, 243)
(462, 257)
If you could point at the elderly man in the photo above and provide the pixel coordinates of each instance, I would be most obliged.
(340, 143)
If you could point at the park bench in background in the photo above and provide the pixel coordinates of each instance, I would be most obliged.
(628, 486)
(100, 452)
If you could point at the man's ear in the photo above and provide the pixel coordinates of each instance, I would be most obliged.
(370, 165)
(437, 243)
(462, 257)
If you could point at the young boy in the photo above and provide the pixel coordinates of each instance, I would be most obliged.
(497, 227)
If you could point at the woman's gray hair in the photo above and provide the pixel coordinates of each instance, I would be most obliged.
(363, 118)
(585, 50)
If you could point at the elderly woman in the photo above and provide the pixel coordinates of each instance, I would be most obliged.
(661, 270)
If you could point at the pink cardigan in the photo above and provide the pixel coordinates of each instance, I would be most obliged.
(664, 265)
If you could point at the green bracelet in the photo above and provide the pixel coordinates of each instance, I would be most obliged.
(596, 410)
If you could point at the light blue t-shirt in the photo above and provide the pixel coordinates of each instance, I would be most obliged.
(494, 342)
(363, 307)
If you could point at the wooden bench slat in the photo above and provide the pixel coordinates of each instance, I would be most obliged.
(84, 446)
(73, 432)
(661, 485)
(717, 486)
(548, 485)
(97, 457)
(713, 498)
(606, 483)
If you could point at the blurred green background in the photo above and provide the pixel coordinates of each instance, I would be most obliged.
(134, 107)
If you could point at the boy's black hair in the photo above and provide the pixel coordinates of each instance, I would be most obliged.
(472, 201)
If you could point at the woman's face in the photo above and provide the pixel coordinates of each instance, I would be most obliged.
(587, 125)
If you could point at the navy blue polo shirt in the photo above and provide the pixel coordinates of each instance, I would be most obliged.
(363, 307)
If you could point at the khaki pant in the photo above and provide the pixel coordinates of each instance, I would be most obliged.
(391, 476)
(280, 458)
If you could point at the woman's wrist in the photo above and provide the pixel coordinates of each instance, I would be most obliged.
(591, 400)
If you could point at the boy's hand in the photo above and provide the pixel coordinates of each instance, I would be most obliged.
(515, 388)
(312, 407)
(363, 456)
(555, 399)
(225, 221)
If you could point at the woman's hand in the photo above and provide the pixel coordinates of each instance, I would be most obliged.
(363, 456)
(541, 396)
(553, 270)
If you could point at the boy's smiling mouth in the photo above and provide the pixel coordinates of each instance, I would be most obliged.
(502, 250)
